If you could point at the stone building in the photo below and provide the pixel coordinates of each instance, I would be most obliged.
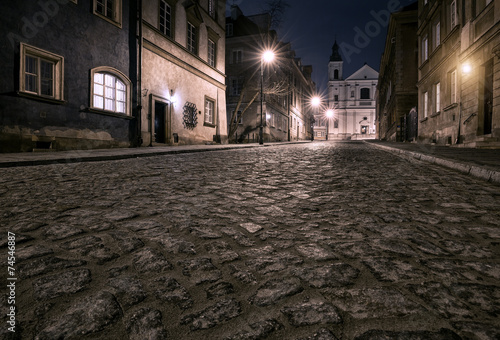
(459, 72)
(68, 75)
(352, 100)
(397, 92)
(183, 72)
(287, 83)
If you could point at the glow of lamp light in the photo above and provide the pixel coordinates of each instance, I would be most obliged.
(315, 101)
(329, 113)
(466, 68)
(268, 56)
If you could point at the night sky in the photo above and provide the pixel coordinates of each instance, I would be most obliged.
(312, 26)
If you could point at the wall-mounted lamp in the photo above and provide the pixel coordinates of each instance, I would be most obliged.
(171, 92)
(496, 51)
(144, 92)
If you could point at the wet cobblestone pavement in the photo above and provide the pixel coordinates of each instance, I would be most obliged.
(312, 241)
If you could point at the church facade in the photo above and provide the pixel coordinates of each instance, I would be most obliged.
(352, 101)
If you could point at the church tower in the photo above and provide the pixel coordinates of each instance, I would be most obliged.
(336, 64)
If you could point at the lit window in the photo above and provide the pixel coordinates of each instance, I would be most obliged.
(211, 53)
(110, 90)
(41, 73)
(209, 111)
(165, 18)
(109, 10)
(453, 14)
(425, 49)
(453, 86)
(437, 34)
(192, 45)
(426, 101)
(438, 97)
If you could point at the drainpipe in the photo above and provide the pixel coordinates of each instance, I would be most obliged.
(459, 122)
(139, 75)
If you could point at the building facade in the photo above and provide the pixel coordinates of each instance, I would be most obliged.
(459, 72)
(101, 74)
(286, 83)
(68, 76)
(397, 92)
(183, 72)
(352, 100)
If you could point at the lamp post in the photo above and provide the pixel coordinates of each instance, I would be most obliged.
(329, 115)
(268, 57)
(466, 69)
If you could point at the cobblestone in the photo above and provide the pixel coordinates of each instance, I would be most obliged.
(314, 241)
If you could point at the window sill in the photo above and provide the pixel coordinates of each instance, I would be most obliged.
(41, 98)
(423, 120)
(435, 114)
(108, 113)
(209, 125)
(449, 107)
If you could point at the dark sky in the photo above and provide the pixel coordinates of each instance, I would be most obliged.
(360, 27)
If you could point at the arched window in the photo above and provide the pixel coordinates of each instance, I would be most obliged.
(336, 74)
(110, 90)
(365, 93)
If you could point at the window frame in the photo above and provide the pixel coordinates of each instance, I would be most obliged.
(437, 34)
(453, 14)
(211, 121)
(117, 11)
(192, 38)
(453, 86)
(211, 52)
(123, 78)
(172, 18)
(57, 72)
(437, 97)
(212, 9)
(426, 104)
(425, 48)
(361, 96)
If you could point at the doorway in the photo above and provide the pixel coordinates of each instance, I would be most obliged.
(160, 122)
(488, 98)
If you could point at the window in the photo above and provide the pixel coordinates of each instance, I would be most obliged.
(209, 111)
(425, 48)
(237, 56)
(364, 129)
(239, 118)
(437, 91)
(211, 53)
(453, 14)
(41, 73)
(229, 30)
(426, 101)
(453, 86)
(365, 93)
(110, 90)
(211, 8)
(165, 18)
(437, 34)
(335, 124)
(192, 45)
(352, 94)
(236, 86)
(336, 74)
(336, 98)
(110, 10)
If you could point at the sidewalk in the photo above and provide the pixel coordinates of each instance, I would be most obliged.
(74, 156)
(480, 163)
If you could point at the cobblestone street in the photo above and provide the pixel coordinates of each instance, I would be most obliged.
(310, 241)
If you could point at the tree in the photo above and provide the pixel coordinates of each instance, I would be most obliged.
(277, 10)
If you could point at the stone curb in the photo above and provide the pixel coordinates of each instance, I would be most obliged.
(120, 154)
(466, 168)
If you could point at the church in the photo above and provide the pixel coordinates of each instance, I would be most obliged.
(352, 101)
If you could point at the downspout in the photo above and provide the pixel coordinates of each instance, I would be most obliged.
(139, 76)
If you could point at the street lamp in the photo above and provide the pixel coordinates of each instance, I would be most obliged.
(267, 56)
(466, 69)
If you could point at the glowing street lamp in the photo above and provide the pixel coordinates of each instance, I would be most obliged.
(268, 57)
(316, 101)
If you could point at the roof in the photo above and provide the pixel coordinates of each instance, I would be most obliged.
(365, 72)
